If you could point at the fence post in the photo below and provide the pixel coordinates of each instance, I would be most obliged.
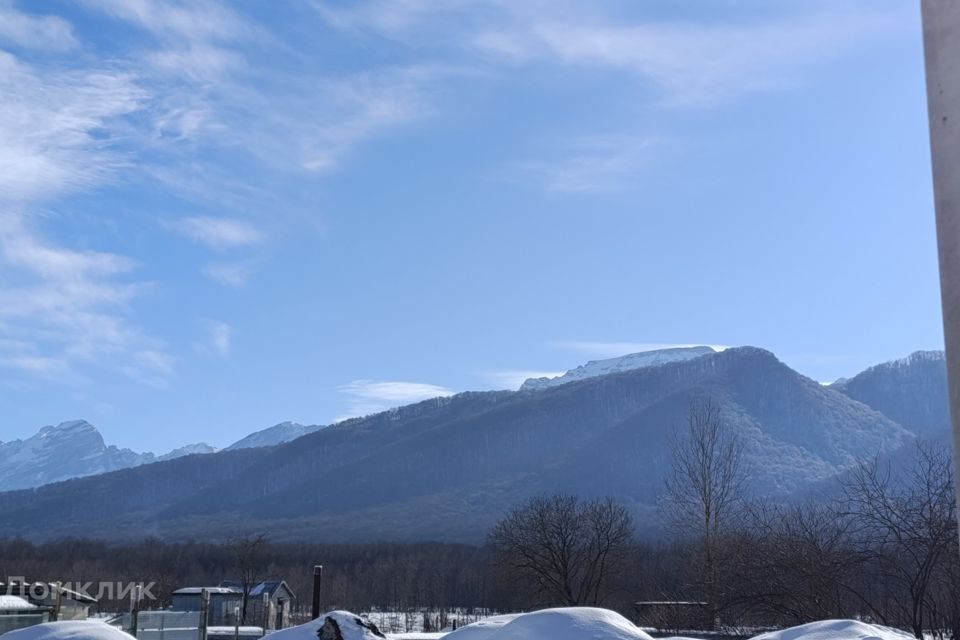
(204, 612)
(236, 623)
(317, 579)
(135, 610)
(266, 612)
(57, 600)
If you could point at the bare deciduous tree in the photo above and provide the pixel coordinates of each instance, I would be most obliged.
(705, 487)
(567, 549)
(250, 556)
(906, 523)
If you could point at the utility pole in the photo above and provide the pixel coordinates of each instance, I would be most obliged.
(941, 44)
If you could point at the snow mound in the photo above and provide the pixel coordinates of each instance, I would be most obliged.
(69, 630)
(482, 629)
(836, 630)
(336, 625)
(573, 623)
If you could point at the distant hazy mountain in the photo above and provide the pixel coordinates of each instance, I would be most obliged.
(70, 450)
(277, 434)
(448, 468)
(76, 449)
(911, 391)
(628, 362)
(201, 448)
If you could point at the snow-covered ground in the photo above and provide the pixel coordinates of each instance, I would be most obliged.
(575, 623)
(572, 623)
(69, 630)
(836, 630)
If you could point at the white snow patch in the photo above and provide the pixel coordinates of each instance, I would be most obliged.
(14, 603)
(69, 630)
(836, 630)
(629, 362)
(483, 629)
(573, 623)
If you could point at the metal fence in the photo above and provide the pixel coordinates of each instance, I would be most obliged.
(20, 620)
(163, 625)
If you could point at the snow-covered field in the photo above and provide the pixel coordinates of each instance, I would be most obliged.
(575, 623)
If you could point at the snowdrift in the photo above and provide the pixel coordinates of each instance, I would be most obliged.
(573, 623)
(336, 625)
(836, 630)
(482, 629)
(69, 630)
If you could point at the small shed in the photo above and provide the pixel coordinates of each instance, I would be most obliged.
(223, 602)
(17, 613)
(62, 603)
(269, 604)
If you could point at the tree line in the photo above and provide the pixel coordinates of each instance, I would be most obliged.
(883, 547)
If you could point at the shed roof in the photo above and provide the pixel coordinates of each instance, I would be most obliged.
(15, 603)
(221, 590)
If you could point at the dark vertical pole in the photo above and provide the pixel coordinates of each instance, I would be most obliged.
(317, 580)
(204, 613)
(266, 612)
(135, 611)
(57, 600)
(941, 44)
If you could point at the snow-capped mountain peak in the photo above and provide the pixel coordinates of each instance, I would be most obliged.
(199, 448)
(631, 361)
(277, 434)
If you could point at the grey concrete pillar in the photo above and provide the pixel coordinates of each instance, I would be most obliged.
(941, 42)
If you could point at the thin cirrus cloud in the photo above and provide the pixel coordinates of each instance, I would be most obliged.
(219, 233)
(64, 310)
(366, 397)
(590, 165)
(691, 63)
(228, 273)
(218, 340)
(696, 64)
(35, 32)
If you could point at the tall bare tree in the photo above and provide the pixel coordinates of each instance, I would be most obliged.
(567, 549)
(705, 487)
(250, 557)
(906, 522)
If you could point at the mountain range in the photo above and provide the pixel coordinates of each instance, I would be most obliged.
(76, 448)
(448, 468)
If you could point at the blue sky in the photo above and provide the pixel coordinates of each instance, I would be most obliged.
(217, 216)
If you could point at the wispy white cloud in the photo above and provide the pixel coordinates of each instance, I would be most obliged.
(699, 64)
(689, 62)
(219, 233)
(49, 33)
(218, 340)
(231, 274)
(63, 310)
(365, 397)
(51, 124)
(513, 378)
(194, 21)
(591, 164)
(600, 349)
(151, 367)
